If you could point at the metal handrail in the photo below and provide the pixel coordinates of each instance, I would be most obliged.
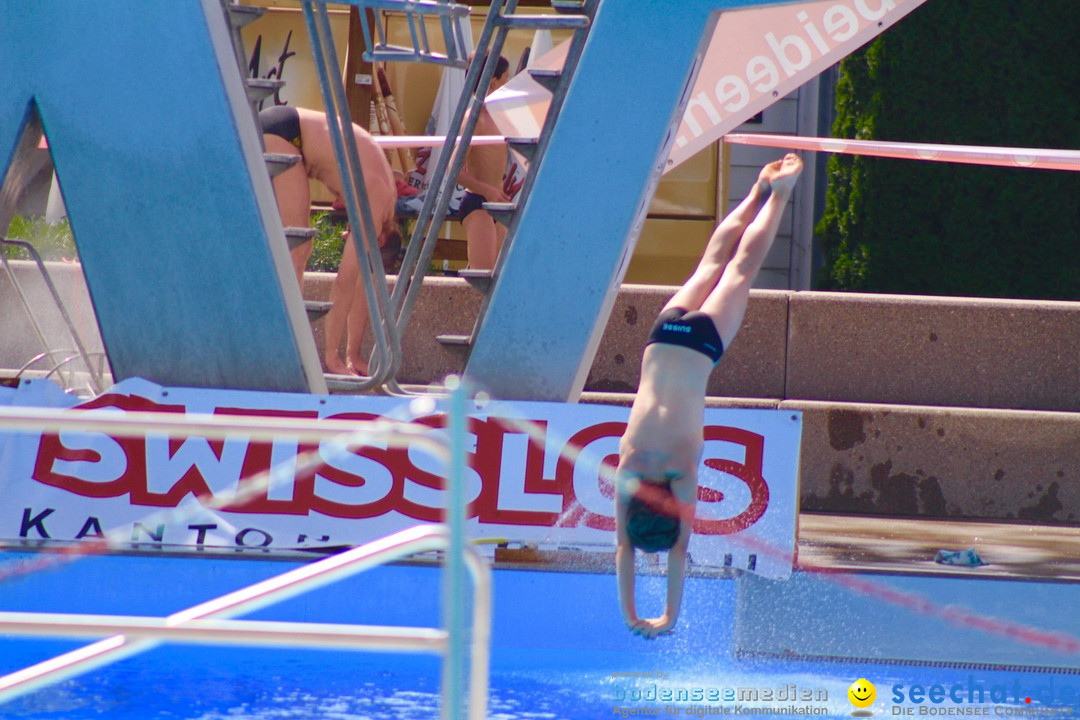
(142, 634)
(96, 382)
(386, 334)
(499, 22)
(139, 634)
(451, 159)
(415, 10)
(558, 97)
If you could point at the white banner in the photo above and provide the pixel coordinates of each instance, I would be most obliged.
(756, 56)
(78, 486)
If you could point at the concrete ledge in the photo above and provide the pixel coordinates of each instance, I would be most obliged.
(444, 306)
(627, 399)
(840, 347)
(1015, 354)
(940, 462)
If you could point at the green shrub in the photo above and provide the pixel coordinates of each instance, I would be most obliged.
(52, 241)
(973, 72)
(326, 252)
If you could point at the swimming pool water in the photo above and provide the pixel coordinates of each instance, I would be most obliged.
(559, 652)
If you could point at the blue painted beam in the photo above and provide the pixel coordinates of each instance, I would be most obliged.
(161, 170)
(582, 219)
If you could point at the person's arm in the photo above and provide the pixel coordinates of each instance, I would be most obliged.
(624, 564)
(624, 571)
(676, 573)
(685, 490)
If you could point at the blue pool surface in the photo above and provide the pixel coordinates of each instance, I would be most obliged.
(559, 652)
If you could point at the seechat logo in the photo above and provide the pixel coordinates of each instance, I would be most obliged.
(862, 694)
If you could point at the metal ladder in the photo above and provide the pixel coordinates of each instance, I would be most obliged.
(258, 89)
(574, 15)
(95, 375)
(391, 313)
(389, 321)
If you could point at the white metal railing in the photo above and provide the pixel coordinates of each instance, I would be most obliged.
(209, 622)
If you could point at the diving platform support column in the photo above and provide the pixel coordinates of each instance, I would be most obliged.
(577, 231)
(164, 180)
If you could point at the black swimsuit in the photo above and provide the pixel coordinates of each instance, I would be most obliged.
(693, 329)
(283, 121)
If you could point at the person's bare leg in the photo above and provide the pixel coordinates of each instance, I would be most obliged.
(358, 322)
(726, 304)
(720, 247)
(293, 199)
(342, 293)
(482, 240)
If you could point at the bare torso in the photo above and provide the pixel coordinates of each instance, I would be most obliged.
(663, 436)
(486, 163)
(322, 164)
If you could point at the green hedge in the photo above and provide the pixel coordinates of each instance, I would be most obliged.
(973, 72)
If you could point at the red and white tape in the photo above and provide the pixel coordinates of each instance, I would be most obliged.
(1036, 158)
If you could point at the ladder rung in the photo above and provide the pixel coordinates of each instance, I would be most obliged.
(454, 340)
(297, 236)
(316, 310)
(397, 53)
(548, 79)
(241, 15)
(502, 212)
(568, 6)
(479, 279)
(544, 22)
(261, 88)
(277, 163)
(524, 146)
(345, 383)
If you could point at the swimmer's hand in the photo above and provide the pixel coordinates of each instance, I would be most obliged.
(650, 628)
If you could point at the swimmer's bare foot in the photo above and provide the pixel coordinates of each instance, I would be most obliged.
(783, 178)
(358, 367)
(770, 170)
(336, 367)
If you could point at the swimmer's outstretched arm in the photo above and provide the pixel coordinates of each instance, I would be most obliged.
(624, 570)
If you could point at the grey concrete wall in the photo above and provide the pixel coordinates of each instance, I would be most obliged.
(19, 341)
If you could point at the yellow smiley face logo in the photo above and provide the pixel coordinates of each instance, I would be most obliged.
(862, 693)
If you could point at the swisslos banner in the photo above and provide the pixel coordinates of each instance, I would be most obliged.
(546, 489)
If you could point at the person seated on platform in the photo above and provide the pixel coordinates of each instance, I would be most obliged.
(659, 452)
(482, 177)
(304, 132)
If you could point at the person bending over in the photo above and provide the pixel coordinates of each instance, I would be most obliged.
(656, 478)
(482, 176)
(303, 132)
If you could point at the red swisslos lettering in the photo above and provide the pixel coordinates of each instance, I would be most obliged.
(372, 480)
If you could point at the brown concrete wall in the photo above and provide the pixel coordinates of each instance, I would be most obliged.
(915, 461)
(753, 367)
(445, 306)
(839, 347)
(934, 351)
